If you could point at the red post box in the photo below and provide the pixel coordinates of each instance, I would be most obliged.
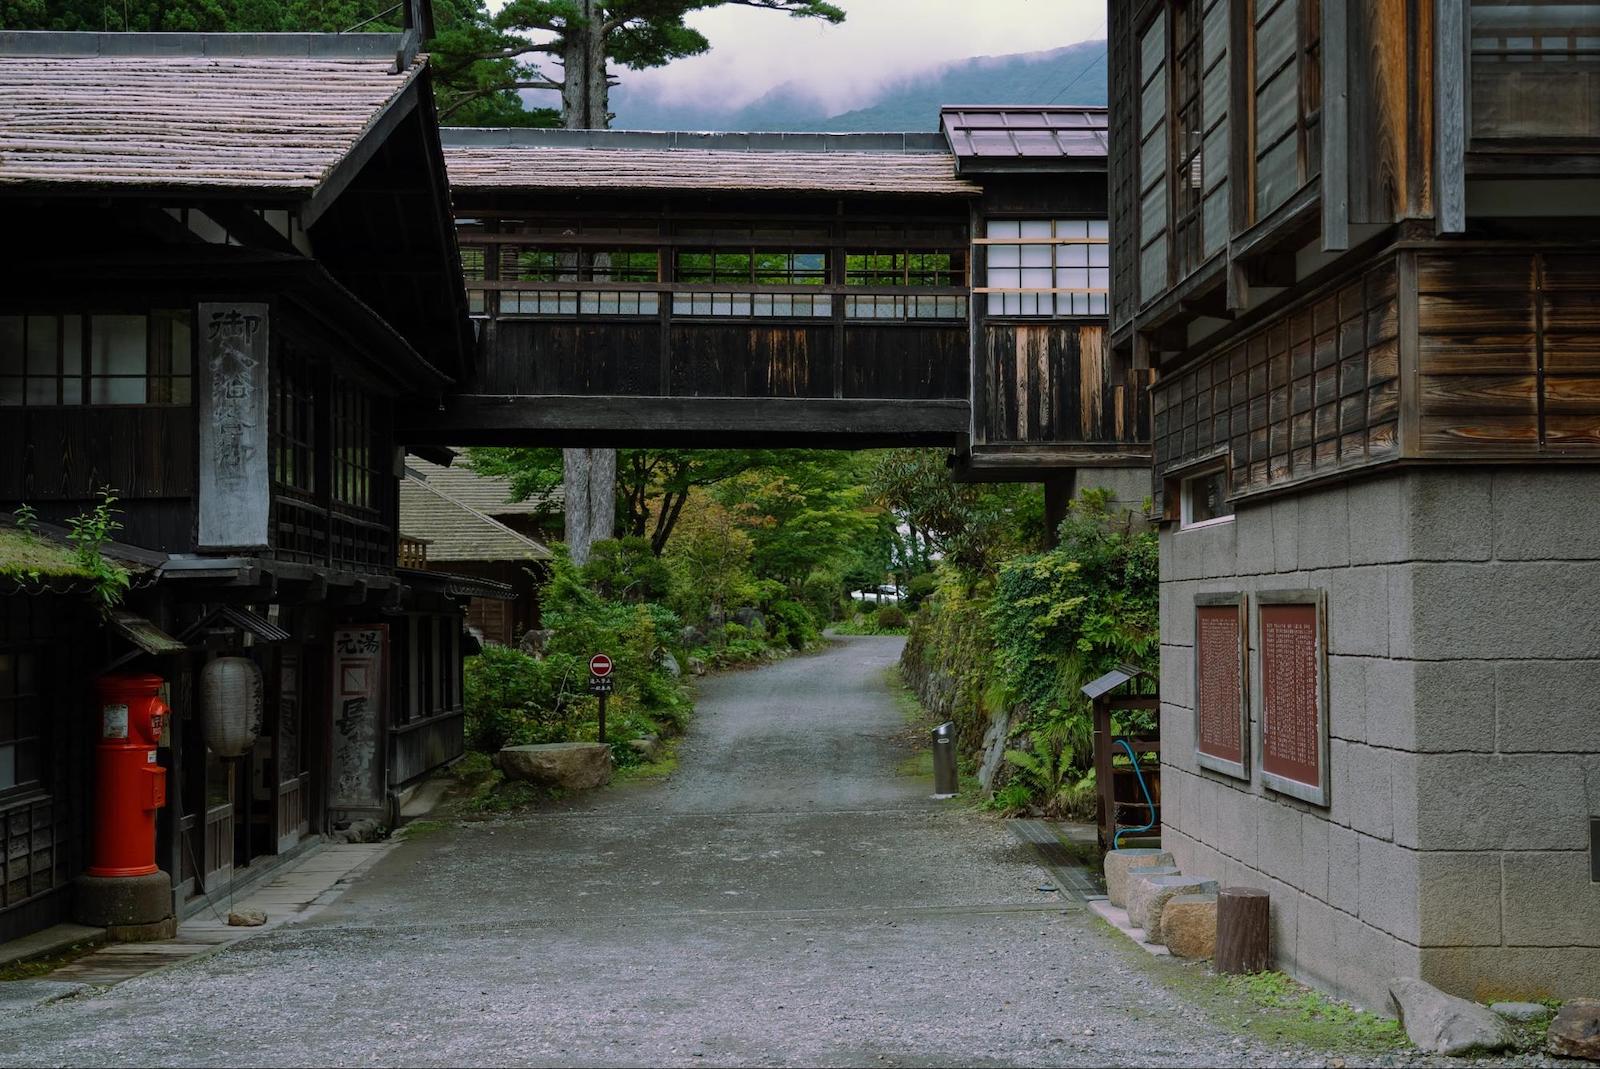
(129, 785)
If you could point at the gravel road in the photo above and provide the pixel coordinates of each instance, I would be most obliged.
(786, 898)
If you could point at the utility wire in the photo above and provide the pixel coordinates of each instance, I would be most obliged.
(1087, 67)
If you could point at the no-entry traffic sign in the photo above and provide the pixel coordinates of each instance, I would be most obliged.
(600, 665)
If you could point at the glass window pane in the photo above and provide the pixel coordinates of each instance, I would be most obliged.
(10, 390)
(1004, 256)
(1099, 228)
(11, 354)
(1036, 228)
(1003, 228)
(119, 391)
(1072, 228)
(117, 345)
(72, 390)
(72, 345)
(1036, 255)
(42, 345)
(180, 391)
(41, 391)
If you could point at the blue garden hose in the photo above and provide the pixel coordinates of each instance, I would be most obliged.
(1148, 801)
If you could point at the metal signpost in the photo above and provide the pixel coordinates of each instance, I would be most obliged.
(600, 685)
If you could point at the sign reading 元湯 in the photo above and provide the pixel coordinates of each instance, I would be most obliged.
(1294, 694)
(1221, 714)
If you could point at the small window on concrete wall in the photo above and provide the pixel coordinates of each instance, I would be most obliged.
(1205, 498)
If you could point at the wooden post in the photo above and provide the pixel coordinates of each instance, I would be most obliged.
(1244, 930)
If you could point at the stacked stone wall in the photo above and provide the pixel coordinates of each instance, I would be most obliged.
(1464, 708)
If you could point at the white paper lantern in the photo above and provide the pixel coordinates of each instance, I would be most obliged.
(230, 705)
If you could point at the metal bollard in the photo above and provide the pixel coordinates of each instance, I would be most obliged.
(944, 760)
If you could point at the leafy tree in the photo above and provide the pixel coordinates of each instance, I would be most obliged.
(971, 525)
(710, 560)
(653, 485)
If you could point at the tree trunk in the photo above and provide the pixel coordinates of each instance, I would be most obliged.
(589, 479)
(1244, 931)
(585, 93)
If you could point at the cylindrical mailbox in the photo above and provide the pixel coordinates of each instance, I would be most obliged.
(129, 785)
(944, 760)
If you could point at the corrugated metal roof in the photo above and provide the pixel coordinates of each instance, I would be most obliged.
(488, 494)
(538, 167)
(455, 532)
(187, 121)
(1036, 133)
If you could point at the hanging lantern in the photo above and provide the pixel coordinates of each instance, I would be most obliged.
(230, 704)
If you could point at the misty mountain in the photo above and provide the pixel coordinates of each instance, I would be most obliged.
(1075, 74)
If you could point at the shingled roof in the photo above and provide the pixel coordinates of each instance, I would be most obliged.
(454, 532)
(729, 163)
(190, 111)
(488, 494)
(1032, 137)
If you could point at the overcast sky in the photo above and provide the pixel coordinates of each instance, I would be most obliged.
(880, 40)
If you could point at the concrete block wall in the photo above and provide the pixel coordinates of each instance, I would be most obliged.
(1464, 707)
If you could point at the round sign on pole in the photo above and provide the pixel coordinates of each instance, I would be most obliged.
(600, 665)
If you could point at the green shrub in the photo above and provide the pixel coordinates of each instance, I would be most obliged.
(919, 589)
(791, 623)
(892, 618)
(513, 699)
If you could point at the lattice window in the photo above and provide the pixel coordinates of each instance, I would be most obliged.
(905, 268)
(1535, 69)
(756, 267)
(522, 264)
(1286, 147)
(1187, 131)
(1046, 267)
(757, 305)
(21, 759)
(48, 360)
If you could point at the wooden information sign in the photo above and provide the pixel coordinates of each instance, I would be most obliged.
(1221, 712)
(1293, 739)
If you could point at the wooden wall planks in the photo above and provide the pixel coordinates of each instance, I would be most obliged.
(1060, 383)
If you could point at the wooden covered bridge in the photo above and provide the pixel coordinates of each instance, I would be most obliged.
(845, 290)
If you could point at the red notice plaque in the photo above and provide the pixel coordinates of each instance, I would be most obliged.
(1294, 693)
(1221, 713)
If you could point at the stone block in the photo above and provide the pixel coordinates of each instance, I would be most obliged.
(1278, 840)
(1316, 958)
(139, 908)
(1177, 735)
(1404, 787)
(1136, 894)
(1177, 675)
(1150, 895)
(1313, 878)
(1186, 552)
(1486, 974)
(1368, 960)
(1549, 900)
(1119, 862)
(1378, 522)
(1501, 802)
(1219, 551)
(1547, 705)
(1389, 883)
(1546, 515)
(1236, 815)
(1344, 869)
(1439, 706)
(1402, 620)
(1341, 802)
(1575, 1033)
(1189, 925)
(1347, 696)
(1458, 899)
(1286, 533)
(1324, 529)
(567, 765)
(1372, 803)
(1283, 920)
(1445, 1024)
(1510, 610)
(1358, 610)
(1253, 540)
(1177, 614)
(1449, 512)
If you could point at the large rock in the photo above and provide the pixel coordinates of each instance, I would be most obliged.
(670, 665)
(1445, 1024)
(1117, 864)
(535, 641)
(648, 747)
(1156, 891)
(1522, 1011)
(697, 667)
(573, 766)
(1189, 926)
(994, 747)
(1575, 1033)
(750, 619)
(1137, 877)
(691, 637)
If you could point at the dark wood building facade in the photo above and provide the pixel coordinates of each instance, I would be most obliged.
(219, 325)
(1356, 242)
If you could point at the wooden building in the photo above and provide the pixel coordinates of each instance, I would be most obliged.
(437, 513)
(1356, 243)
(231, 261)
(793, 289)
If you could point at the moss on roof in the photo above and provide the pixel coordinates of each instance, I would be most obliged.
(26, 557)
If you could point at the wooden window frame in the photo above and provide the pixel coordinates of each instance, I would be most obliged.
(1542, 143)
(75, 380)
(22, 692)
(1186, 130)
(1306, 128)
(904, 270)
(1056, 241)
(1188, 478)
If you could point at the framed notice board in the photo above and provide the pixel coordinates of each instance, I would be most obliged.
(1221, 683)
(1292, 729)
